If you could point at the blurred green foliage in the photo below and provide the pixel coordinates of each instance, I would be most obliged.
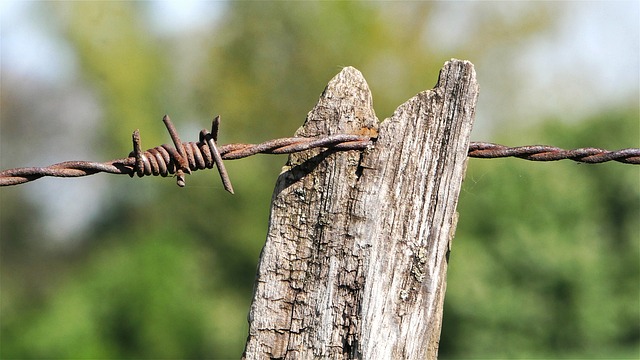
(544, 264)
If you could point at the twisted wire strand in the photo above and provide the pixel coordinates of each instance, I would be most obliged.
(183, 157)
(159, 161)
(551, 153)
(186, 157)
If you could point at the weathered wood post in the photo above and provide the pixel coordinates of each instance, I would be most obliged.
(355, 261)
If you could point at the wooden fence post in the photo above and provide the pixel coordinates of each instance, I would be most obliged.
(355, 260)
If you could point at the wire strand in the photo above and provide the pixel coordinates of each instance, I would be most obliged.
(186, 157)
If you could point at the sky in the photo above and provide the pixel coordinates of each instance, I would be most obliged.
(599, 67)
(26, 46)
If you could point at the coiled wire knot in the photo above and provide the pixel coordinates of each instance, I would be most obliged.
(183, 158)
(186, 157)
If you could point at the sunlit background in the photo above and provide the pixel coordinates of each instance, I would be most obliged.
(546, 260)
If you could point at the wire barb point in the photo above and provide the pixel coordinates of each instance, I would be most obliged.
(211, 139)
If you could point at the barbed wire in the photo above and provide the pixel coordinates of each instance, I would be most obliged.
(550, 153)
(186, 157)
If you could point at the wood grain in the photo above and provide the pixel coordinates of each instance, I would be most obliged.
(354, 265)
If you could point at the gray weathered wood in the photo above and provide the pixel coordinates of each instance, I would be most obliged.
(355, 261)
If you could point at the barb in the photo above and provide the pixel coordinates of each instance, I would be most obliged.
(186, 157)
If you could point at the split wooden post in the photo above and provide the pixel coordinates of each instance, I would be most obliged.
(355, 260)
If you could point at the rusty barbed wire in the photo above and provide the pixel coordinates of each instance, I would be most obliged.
(186, 157)
(183, 157)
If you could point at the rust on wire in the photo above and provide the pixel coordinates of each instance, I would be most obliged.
(186, 157)
(550, 153)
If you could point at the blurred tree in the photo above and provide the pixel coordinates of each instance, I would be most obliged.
(169, 272)
(545, 260)
(128, 68)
